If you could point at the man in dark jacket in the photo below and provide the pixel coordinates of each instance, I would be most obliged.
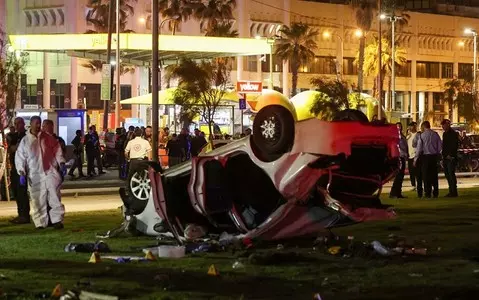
(450, 145)
(175, 151)
(92, 148)
(77, 152)
(197, 143)
(18, 191)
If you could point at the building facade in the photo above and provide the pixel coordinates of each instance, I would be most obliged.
(434, 40)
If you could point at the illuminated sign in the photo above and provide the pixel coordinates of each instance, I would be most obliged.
(251, 87)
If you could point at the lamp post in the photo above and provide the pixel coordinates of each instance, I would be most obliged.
(473, 32)
(393, 19)
(271, 44)
(118, 88)
(339, 65)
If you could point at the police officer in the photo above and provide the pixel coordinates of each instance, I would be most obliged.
(19, 191)
(138, 148)
(428, 149)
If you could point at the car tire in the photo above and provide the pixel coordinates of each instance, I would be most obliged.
(138, 183)
(351, 115)
(273, 132)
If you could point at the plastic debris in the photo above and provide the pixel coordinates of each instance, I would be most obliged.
(95, 258)
(171, 251)
(476, 271)
(99, 246)
(57, 291)
(200, 248)
(334, 250)
(248, 243)
(193, 231)
(279, 247)
(415, 275)
(317, 297)
(227, 238)
(212, 271)
(238, 265)
(93, 296)
(380, 249)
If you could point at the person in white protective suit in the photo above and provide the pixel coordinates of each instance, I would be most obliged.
(39, 161)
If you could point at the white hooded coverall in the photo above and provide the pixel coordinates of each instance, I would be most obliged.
(39, 158)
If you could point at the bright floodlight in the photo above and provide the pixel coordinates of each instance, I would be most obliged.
(258, 37)
(326, 34)
(142, 20)
(382, 16)
(358, 33)
(469, 31)
(461, 44)
(113, 62)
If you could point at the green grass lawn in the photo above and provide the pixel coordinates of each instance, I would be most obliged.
(34, 261)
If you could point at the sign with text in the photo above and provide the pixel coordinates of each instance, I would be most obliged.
(106, 82)
(249, 87)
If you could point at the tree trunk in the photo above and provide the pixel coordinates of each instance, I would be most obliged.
(362, 45)
(450, 109)
(390, 98)
(294, 80)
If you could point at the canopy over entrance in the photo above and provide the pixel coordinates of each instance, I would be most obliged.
(137, 48)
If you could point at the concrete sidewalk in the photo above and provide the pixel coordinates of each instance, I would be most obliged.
(72, 204)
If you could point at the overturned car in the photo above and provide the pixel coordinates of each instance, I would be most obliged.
(292, 177)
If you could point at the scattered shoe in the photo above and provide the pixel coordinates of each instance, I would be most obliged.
(20, 220)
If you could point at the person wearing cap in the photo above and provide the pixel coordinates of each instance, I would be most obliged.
(396, 189)
(450, 145)
(414, 172)
(428, 149)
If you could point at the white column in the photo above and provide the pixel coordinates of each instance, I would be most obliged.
(413, 97)
(455, 71)
(243, 30)
(287, 22)
(430, 104)
(135, 91)
(259, 71)
(46, 81)
(422, 105)
(74, 82)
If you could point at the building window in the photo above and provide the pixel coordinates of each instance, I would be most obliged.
(250, 64)
(60, 95)
(465, 71)
(427, 70)
(320, 65)
(418, 4)
(277, 64)
(125, 93)
(404, 70)
(92, 95)
(31, 94)
(349, 67)
(447, 70)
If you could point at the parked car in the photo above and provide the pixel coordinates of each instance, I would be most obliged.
(290, 178)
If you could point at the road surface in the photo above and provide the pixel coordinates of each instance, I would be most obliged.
(72, 204)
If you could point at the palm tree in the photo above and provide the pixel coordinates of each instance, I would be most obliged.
(371, 61)
(212, 12)
(98, 16)
(451, 90)
(364, 10)
(297, 46)
(180, 10)
(331, 99)
(224, 29)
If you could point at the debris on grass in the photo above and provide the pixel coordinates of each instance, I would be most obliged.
(95, 258)
(238, 265)
(57, 291)
(99, 246)
(415, 275)
(317, 296)
(279, 247)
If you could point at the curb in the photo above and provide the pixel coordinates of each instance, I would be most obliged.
(90, 191)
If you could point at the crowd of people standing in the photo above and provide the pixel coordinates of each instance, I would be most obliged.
(422, 151)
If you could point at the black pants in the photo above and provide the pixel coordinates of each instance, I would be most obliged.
(78, 164)
(21, 195)
(450, 172)
(430, 175)
(90, 157)
(412, 171)
(415, 174)
(99, 164)
(396, 189)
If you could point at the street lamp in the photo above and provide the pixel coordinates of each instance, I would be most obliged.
(473, 32)
(339, 65)
(393, 19)
(271, 41)
(358, 33)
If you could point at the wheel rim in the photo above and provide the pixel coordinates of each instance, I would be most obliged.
(270, 129)
(140, 185)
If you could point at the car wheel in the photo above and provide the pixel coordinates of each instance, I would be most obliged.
(351, 115)
(273, 131)
(139, 186)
